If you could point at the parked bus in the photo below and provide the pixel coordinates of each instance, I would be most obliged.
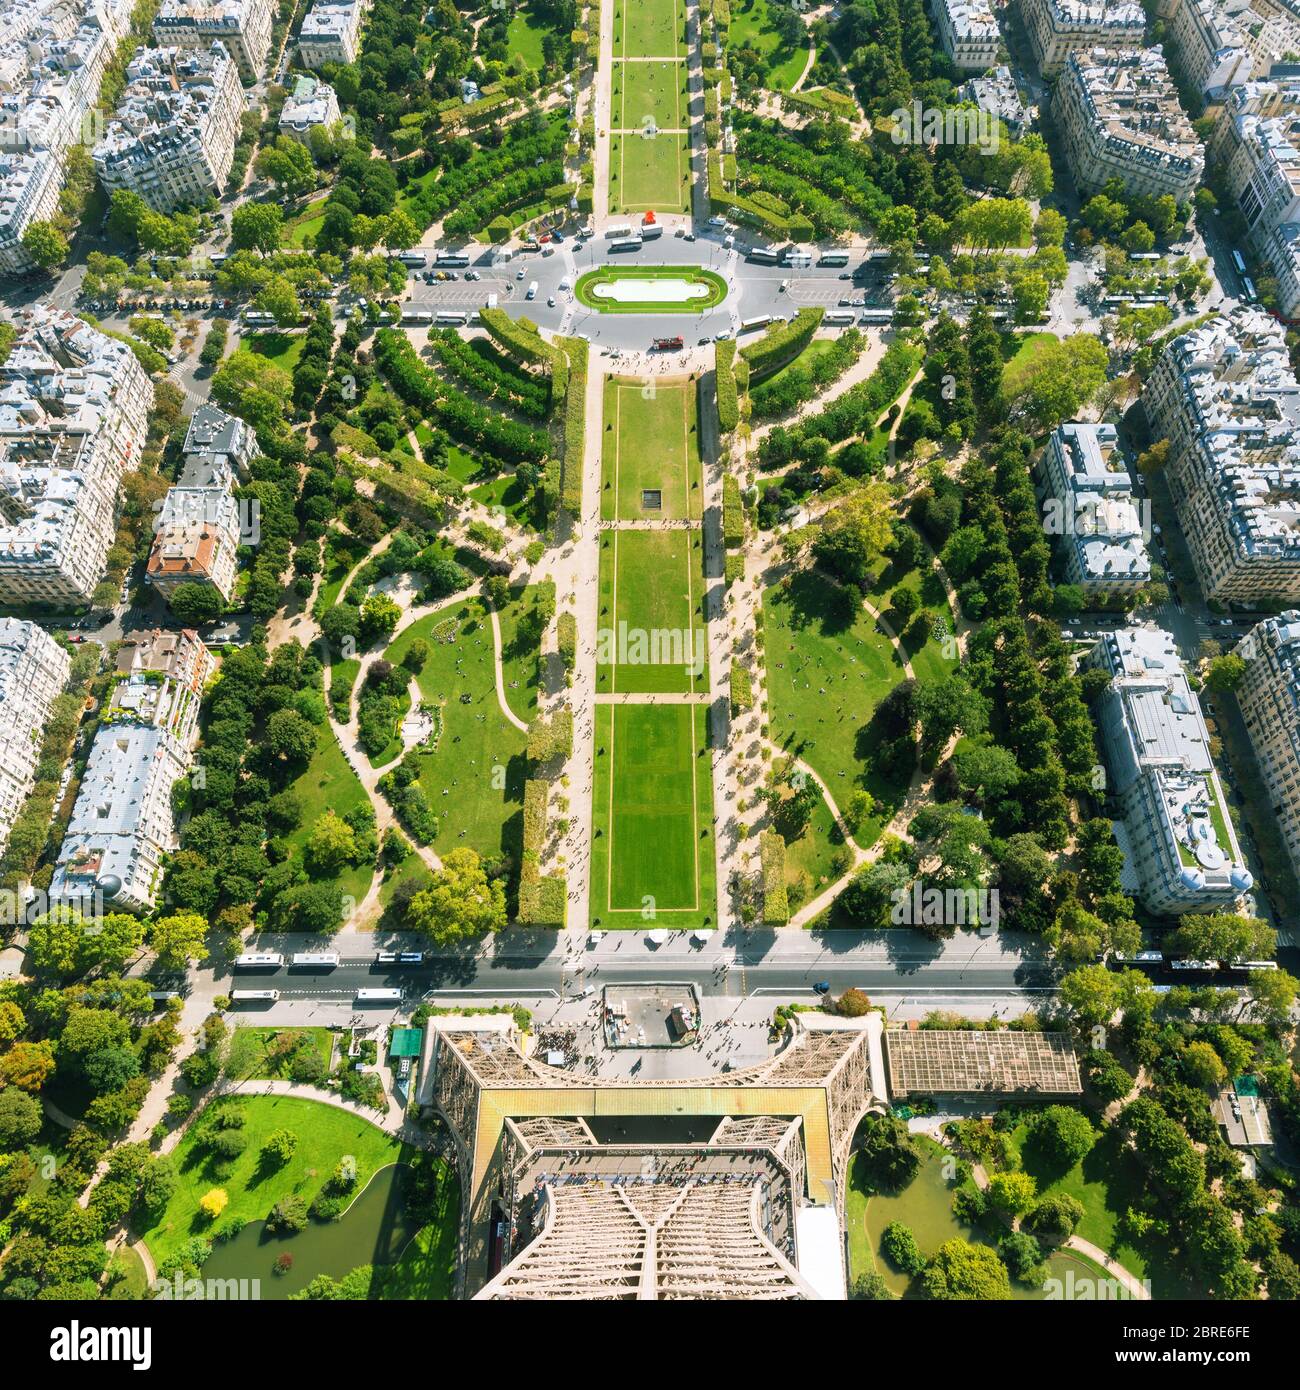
(1238, 264)
(834, 258)
(837, 318)
(1245, 966)
(761, 256)
(379, 996)
(450, 318)
(753, 325)
(259, 960)
(255, 318)
(876, 316)
(1200, 967)
(632, 243)
(448, 259)
(1144, 255)
(417, 316)
(1248, 289)
(316, 958)
(623, 229)
(417, 260)
(254, 996)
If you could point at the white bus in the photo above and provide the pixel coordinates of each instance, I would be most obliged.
(254, 996)
(417, 316)
(379, 996)
(1248, 965)
(632, 243)
(448, 318)
(837, 318)
(255, 318)
(258, 960)
(834, 258)
(416, 260)
(1144, 255)
(316, 958)
(760, 256)
(753, 325)
(624, 229)
(876, 316)
(1203, 967)
(448, 259)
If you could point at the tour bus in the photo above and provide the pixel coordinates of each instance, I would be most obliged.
(652, 231)
(254, 996)
(1248, 289)
(417, 316)
(761, 256)
(448, 259)
(379, 996)
(1202, 967)
(417, 260)
(255, 318)
(1238, 264)
(258, 960)
(316, 958)
(834, 258)
(532, 290)
(632, 243)
(837, 318)
(448, 318)
(876, 316)
(1144, 255)
(624, 229)
(753, 325)
(1245, 966)
(218, 259)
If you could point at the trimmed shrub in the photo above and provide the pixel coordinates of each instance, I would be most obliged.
(742, 690)
(782, 343)
(733, 513)
(776, 906)
(725, 375)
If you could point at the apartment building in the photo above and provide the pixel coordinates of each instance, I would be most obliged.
(33, 670)
(52, 59)
(122, 827)
(968, 33)
(1256, 145)
(311, 103)
(1057, 28)
(331, 33)
(172, 138)
(1088, 506)
(161, 677)
(1226, 399)
(74, 408)
(997, 93)
(199, 529)
(244, 26)
(1220, 44)
(1269, 696)
(1180, 848)
(1119, 117)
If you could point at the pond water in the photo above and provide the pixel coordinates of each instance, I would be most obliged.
(375, 1229)
(627, 290)
(926, 1208)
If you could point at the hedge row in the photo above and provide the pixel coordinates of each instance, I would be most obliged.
(802, 381)
(567, 634)
(407, 496)
(573, 414)
(542, 901)
(518, 337)
(733, 513)
(776, 905)
(551, 738)
(742, 690)
(725, 375)
(782, 343)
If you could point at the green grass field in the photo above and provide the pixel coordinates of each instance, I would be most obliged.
(651, 441)
(652, 859)
(518, 658)
(524, 38)
(649, 29)
(250, 1055)
(1022, 351)
(751, 23)
(652, 608)
(650, 172)
(284, 349)
(325, 1134)
(651, 92)
(827, 670)
(474, 777)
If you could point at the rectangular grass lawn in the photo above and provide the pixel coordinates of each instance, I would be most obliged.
(654, 445)
(652, 582)
(653, 853)
(651, 92)
(652, 172)
(649, 28)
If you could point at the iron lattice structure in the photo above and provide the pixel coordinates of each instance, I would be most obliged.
(664, 1214)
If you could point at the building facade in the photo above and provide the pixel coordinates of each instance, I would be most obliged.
(1227, 401)
(331, 33)
(74, 408)
(1180, 848)
(1057, 28)
(1269, 696)
(1088, 506)
(33, 670)
(1119, 117)
(968, 33)
(311, 103)
(244, 26)
(172, 139)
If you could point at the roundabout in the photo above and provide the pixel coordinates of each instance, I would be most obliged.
(680, 289)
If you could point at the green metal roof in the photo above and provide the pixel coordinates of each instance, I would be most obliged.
(405, 1042)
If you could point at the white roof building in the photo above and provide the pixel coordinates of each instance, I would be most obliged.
(244, 26)
(33, 670)
(968, 33)
(310, 103)
(331, 33)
